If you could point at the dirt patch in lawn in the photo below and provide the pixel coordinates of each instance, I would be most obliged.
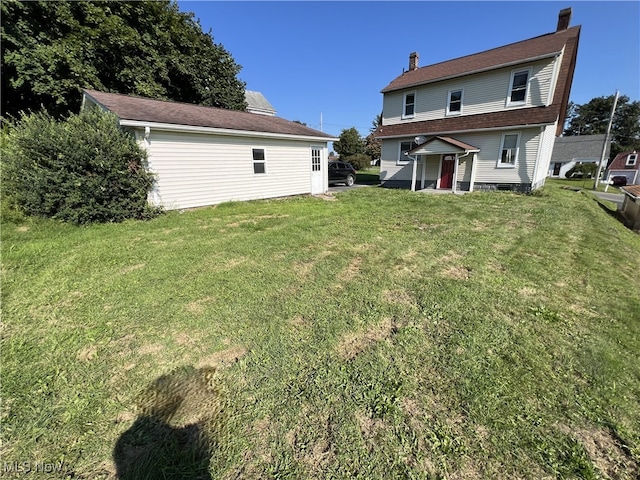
(227, 356)
(609, 454)
(355, 343)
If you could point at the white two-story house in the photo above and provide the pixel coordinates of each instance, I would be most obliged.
(487, 121)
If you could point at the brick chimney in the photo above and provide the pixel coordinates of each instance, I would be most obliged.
(413, 61)
(564, 18)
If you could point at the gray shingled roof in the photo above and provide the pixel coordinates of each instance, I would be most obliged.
(258, 102)
(128, 107)
(576, 147)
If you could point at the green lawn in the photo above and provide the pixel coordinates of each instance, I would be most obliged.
(384, 334)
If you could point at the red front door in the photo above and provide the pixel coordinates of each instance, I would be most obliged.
(446, 172)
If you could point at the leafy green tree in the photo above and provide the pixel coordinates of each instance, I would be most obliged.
(50, 50)
(373, 146)
(350, 143)
(593, 118)
(81, 170)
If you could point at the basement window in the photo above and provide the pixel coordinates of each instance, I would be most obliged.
(259, 162)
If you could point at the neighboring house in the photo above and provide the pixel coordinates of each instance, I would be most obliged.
(257, 103)
(631, 206)
(570, 151)
(626, 164)
(486, 121)
(205, 155)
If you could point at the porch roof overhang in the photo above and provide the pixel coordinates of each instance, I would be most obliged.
(443, 145)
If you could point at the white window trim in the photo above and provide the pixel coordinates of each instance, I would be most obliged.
(499, 164)
(253, 161)
(404, 104)
(631, 162)
(526, 91)
(459, 112)
(404, 159)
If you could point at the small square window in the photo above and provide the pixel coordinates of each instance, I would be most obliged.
(259, 162)
(632, 159)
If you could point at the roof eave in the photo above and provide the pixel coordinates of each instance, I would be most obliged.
(222, 131)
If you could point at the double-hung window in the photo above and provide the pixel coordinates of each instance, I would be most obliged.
(409, 105)
(632, 159)
(404, 148)
(509, 148)
(454, 102)
(259, 161)
(518, 87)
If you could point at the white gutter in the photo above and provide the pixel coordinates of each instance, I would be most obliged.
(222, 131)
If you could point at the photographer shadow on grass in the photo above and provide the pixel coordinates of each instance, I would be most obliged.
(174, 435)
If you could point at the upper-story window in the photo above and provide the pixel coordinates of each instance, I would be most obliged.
(509, 148)
(632, 159)
(409, 107)
(404, 148)
(518, 87)
(454, 102)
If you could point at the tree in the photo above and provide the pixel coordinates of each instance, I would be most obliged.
(373, 146)
(350, 143)
(50, 50)
(592, 118)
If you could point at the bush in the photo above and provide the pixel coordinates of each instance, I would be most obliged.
(360, 161)
(81, 170)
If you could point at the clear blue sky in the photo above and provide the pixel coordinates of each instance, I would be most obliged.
(330, 59)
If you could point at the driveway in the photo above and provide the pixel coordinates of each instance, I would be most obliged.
(617, 198)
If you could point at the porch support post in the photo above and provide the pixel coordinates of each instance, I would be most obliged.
(454, 183)
(473, 171)
(424, 171)
(414, 174)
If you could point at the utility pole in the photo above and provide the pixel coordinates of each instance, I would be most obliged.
(606, 141)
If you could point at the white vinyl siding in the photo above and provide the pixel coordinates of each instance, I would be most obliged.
(486, 170)
(483, 93)
(197, 169)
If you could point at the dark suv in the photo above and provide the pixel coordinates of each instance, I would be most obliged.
(342, 172)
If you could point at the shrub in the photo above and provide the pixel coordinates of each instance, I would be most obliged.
(80, 170)
(360, 161)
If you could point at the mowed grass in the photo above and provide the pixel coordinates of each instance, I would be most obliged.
(384, 334)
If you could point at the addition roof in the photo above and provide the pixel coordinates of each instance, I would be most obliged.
(140, 109)
(579, 147)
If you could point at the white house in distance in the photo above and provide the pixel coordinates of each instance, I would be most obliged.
(204, 155)
(570, 151)
(487, 121)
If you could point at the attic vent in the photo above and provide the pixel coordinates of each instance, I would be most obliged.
(564, 18)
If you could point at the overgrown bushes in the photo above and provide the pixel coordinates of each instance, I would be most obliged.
(81, 170)
(360, 161)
